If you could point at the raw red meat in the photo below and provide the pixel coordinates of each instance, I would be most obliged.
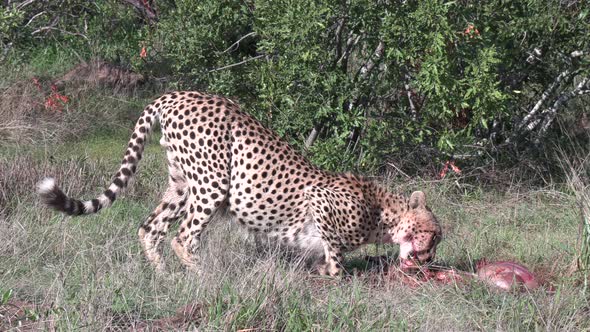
(506, 275)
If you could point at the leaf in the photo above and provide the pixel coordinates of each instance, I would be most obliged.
(484, 123)
(6, 296)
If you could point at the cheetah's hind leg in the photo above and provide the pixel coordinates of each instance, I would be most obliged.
(196, 219)
(154, 228)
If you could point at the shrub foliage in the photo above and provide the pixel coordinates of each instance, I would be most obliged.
(354, 83)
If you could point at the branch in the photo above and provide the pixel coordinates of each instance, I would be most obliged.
(413, 111)
(528, 119)
(338, 36)
(361, 75)
(340, 57)
(581, 89)
(577, 54)
(237, 63)
(5, 49)
(34, 17)
(237, 43)
(366, 69)
(525, 121)
(24, 4)
(350, 44)
(313, 135)
(60, 30)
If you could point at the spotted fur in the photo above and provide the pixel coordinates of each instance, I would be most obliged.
(220, 158)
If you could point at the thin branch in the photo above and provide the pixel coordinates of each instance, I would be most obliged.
(34, 17)
(24, 4)
(338, 36)
(528, 122)
(577, 54)
(366, 69)
(413, 111)
(399, 170)
(313, 135)
(237, 43)
(60, 30)
(351, 42)
(341, 57)
(237, 63)
(362, 75)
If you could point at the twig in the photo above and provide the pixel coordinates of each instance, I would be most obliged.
(350, 44)
(366, 69)
(362, 75)
(237, 63)
(60, 30)
(313, 135)
(528, 123)
(399, 170)
(413, 111)
(24, 4)
(338, 37)
(577, 54)
(144, 10)
(253, 33)
(34, 17)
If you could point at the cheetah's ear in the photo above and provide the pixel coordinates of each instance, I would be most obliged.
(417, 200)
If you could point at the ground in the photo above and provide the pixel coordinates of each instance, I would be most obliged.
(89, 273)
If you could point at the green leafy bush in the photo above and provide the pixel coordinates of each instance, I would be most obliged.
(354, 83)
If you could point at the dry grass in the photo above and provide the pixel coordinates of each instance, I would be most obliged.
(19, 176)
(91, 88)
(577, 168)
(89, 273)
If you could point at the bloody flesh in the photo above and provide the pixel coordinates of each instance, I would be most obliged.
(504, 275)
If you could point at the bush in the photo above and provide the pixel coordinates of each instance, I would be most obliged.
(359, 82)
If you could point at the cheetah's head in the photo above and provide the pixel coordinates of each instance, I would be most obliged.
(418, 232)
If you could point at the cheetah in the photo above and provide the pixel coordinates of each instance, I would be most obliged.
(222, 159)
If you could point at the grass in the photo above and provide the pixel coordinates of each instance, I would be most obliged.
(89, 273)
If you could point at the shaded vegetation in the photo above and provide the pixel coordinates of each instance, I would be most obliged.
(356, 83)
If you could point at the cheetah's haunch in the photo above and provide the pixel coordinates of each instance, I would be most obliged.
(221, 158)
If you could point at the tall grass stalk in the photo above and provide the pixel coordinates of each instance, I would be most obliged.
(577, 171)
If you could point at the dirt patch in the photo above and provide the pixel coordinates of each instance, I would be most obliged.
(20, 104)
(185, 317)
(41, 109)
(101, 73)
(26, 316)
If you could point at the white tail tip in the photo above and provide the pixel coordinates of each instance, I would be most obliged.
(46, 185)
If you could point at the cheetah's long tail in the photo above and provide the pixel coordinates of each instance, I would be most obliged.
(52, 195)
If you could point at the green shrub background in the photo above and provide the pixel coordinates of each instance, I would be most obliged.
(349, 69)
